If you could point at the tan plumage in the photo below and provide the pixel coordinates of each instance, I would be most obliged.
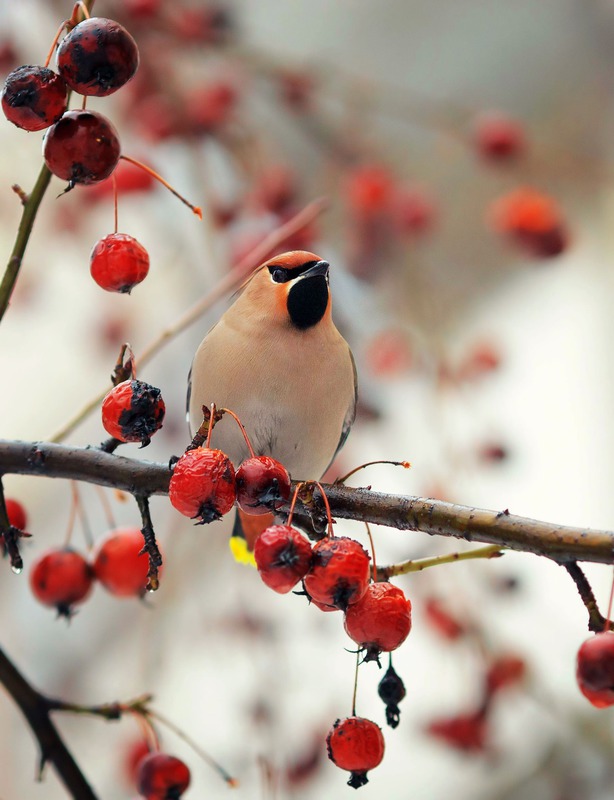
(277, 360)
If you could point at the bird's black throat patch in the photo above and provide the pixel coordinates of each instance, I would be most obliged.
(307, 301)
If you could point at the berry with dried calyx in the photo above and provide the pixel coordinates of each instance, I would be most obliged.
(118, 262)
(391, 690)
(82, 147)
(34, 97)
(97, 57)
(133, 411)
(263, 485)
(61, 578)
(356, 745)
(380, 621)
(120, 564)
(202, 485)
(162, 777)
(595, 669)
(339, 573)
(283, 557)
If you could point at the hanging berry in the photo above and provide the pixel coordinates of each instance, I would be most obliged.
(283, 557)
(595, 669)
(118, 262)
(34, 97)
(499, 138)
(380, 621)
(339, 573)
(97, 57)
(263, 485)
(61, 578)
(356, 745)
(120, 564)
(133, 411)
(391, 690)
(202, 485)
(162, 777)
(16, 514)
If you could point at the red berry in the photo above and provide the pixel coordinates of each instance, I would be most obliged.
(133, 753)
(465, 732)
(356, 745)
(34, 98)
(499, 138)
(119, 563)
(97, 57)
(202, 485)
(118, 262)
(340, 572)
(369, 191)
(162, 777)
(16, 514)
(263, 485)
(210, 106)
(533, 220)
(210, 25)
(442, 620)
(595, 669)
(61, 578)
(505, 670)
(283, 557)
(82, 147)
(133, 411)
(142, 9)
(380, 621)
(414, 212)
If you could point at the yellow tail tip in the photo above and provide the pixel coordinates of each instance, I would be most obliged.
(240, 552)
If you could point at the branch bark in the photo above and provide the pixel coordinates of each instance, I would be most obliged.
(436, 517)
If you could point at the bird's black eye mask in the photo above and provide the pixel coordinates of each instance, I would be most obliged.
(285, 274)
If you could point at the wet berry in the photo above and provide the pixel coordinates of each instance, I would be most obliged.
(380, 620)
(34, 97)
(391, 690)
(595, 669)
(133, 411)
(340, 572)
(82, 147)
(283, 557)
(162, 777)
(97, 57)
(202, 485)
(118, 262)
(356, 745)
(16, 514)
(119, 563)
(61, 578)
(263, 485)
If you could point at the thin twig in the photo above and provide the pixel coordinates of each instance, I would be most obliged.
(418, 564)
(596, 620)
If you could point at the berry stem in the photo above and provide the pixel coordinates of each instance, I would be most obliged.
(242, 428)
(596, 622)
(195, 209)
(355, 691)
(10, 535)
(293, 503)
(114, 180)
(211, 425)
(74, 491)
(327, 505)
(56, 39)
(106, 507)
(151, 546)
(373, 560)
(404, 464)
(418, 564)
(608, 616)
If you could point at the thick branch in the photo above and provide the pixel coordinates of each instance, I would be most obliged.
(35, 709)
(558, 542)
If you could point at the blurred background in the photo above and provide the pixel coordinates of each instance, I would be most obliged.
(464, 150)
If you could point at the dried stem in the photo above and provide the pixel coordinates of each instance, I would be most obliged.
(596, 621)
(151, 546)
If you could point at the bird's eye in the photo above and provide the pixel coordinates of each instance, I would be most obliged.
(279, 274)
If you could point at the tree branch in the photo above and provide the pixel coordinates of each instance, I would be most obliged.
(436, 517)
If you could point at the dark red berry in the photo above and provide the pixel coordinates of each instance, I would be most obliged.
(202, 485)
(82, 147)
(340, 572)
(133, 753)
(283, 557)
(499, 138)
(162, 777)
(34, 97)
(97, 57)
(356, 745)
(595, 669)
(16, 514)
(263, 485)
(118, 262)
(391, 690)
(119, 563)
(504, 671)
(531, 219)
(380, 620)
(133, 411)
(61, 578)
(464, 732)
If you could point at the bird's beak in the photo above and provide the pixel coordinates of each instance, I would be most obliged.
(319, 268)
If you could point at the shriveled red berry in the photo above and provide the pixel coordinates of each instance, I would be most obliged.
(119, 563)
(595, 669)
(283, 556)
(391, 690)
(133, 411)
(16, 514)
(339, 573)
(61, 578)
(118, 262)
(162, 777)
(380, 621)
(34, 97)
(499, 137)
(357, 745)
(97, 57)
(263, 485)
(82, 147)
(202, 485)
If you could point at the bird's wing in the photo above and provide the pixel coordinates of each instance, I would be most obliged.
(351, 412)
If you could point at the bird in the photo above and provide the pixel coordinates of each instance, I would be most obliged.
(276, 359)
